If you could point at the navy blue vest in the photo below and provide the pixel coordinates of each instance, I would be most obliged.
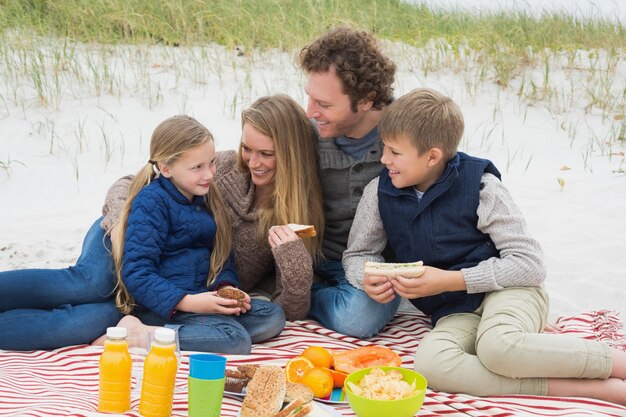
(440, 229)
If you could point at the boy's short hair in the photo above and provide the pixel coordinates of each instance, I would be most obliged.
(365, 72)
(426, 117)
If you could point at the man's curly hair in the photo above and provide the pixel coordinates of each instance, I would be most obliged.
(360, 65)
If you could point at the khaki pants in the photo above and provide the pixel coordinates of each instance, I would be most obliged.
(499, 350)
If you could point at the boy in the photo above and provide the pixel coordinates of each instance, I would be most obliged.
(482, 283)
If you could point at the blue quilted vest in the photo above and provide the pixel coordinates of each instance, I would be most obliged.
(440, 228)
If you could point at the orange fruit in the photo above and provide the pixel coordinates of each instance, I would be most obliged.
(319, 380)
(318, 356)
(338, 377)
(297, 367)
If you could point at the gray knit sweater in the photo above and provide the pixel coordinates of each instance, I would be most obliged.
(286, 272)
(520, 262)
(343, 179)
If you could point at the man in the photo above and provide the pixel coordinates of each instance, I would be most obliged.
(349, 85)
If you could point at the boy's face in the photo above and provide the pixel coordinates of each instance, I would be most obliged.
(407, 168)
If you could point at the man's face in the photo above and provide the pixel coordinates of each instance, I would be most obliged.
(330, 107)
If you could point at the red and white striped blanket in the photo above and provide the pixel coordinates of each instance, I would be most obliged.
(64, 382)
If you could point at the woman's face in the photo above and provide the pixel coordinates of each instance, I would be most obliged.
(257, 151)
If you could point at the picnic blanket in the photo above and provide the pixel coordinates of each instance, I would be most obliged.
(64, 382)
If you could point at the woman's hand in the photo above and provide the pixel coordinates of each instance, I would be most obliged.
(379, 288)
(278, 235)
(210, 303)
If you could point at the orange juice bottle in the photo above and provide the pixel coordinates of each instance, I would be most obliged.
(115, 369)
(159, 375)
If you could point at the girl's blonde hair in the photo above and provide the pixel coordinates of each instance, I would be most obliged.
(169, 141)
(297, 196)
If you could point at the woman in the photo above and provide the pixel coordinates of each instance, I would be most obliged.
(272, 180)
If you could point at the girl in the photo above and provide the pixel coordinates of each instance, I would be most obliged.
(172, 250)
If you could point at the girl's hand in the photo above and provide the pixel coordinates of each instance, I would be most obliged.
(210, 303)
(246, 306)
(434, 281)
(379, 288)
(278, 235)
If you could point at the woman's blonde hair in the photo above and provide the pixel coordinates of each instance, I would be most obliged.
(297, 196)
(169, 141)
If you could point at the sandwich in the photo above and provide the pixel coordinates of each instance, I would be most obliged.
(265, 392)
(232, 294)
(296, 390)
(296, 408)
(303, 230)
(407, 270)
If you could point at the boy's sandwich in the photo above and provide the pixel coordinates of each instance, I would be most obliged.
(265, 392)
(303, 230)
(408, 270)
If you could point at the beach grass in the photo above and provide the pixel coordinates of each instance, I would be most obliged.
(52, 51)
(288, 24)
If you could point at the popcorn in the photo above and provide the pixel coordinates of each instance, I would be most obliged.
(379, 385)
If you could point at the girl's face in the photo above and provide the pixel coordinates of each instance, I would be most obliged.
(257, 151)
(193, 171)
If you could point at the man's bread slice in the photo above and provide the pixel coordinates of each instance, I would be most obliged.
(265, 392)
(408, 270)
(303, 230)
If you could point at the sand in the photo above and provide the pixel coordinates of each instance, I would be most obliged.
(57, 158)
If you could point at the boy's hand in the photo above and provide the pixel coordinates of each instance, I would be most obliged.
(379, 288)
(434, 281)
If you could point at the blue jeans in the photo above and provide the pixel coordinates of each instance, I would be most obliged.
(338, 305)
(219, 333)
(51, 308)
